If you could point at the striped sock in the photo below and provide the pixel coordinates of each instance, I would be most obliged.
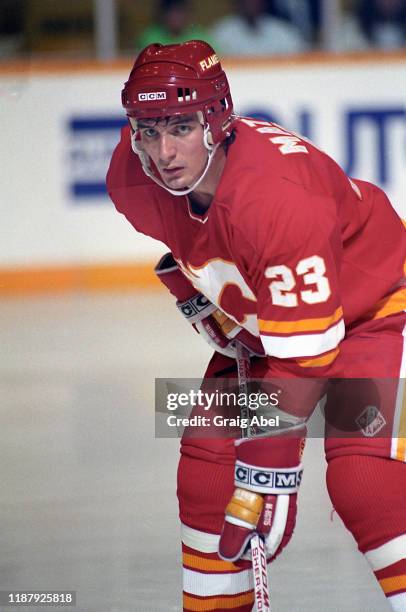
(213, 585)
(388, 562)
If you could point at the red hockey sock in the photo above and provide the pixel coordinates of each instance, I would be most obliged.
(209, 583)
(369, 494)
(204, 490)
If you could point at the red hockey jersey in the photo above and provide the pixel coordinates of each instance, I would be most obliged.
(290, 248)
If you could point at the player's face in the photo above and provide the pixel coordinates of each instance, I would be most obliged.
(175, 145)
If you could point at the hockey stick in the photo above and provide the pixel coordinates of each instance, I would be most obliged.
(243, 368)
(259, 569)
(259, 566)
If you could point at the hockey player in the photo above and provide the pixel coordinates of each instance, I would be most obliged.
(272, 245)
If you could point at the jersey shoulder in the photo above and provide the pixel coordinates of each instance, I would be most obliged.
(268, 150)
(266, 197)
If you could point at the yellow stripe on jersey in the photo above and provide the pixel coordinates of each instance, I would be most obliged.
(400, 449)
(302, 325)
(226, 602)
(319, 362)
(392, 304)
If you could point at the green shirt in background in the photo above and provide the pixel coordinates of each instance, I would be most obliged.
(157, 33)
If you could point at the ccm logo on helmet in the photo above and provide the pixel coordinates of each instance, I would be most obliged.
(152, 95)
(209, 61)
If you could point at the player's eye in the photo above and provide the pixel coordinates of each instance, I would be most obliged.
(182, 130)
(149, 132)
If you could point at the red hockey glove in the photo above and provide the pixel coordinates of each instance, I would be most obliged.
(216, 328)
(268, 472)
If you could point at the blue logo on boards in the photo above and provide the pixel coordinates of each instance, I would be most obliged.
(91, 144)
(382, 123)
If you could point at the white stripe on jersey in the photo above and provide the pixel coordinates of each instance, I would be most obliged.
(304, 345)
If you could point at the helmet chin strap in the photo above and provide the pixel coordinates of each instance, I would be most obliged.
(146, 163)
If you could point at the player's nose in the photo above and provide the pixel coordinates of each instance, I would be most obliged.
(167, 148)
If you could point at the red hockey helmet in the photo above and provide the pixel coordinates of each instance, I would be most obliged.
(176, 79)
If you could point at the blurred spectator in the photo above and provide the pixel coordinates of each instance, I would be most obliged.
(11, 27)
(251, 31)
(303, 14)
(173, 24)
(383, 22)
(347, 35)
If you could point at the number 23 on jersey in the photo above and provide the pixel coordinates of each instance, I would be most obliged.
(284, 289)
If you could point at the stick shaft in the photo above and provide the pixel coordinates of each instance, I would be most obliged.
(259, 565)
(243, 367)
